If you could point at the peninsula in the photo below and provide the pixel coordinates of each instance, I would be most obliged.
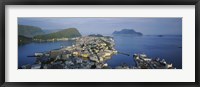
(28, 34)
(87, 53)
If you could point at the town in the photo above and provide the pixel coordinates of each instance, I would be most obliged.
(91, 52)
(88, 52)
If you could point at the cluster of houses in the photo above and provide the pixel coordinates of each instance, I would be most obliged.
(96, 49)
(87, 52)
(143, 62)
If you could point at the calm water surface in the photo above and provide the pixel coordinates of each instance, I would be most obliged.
(166, 47)
(31, 48)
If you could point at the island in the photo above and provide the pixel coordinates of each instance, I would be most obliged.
(127, 32)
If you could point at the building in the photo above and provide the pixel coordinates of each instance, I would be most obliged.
(38, 54)
(85, 55)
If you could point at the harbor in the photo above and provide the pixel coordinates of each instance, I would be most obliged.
(144, 62)
(91, 52)
(87, 52)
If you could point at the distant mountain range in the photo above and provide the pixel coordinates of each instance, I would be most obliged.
(29, 31)
(127, 32)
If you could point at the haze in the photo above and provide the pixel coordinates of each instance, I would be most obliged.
(107, 25)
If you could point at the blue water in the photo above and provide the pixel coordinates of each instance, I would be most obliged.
(166, 47)
(30, 49)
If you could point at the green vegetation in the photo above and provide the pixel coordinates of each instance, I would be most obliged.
(23, 40)
(65, 33)
(48, 31)
(29, 31)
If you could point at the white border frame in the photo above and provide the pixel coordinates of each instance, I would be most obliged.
(186, 74)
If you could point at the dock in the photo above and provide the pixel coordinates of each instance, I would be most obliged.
(123, 53)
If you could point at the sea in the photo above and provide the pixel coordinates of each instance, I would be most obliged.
(167, 47)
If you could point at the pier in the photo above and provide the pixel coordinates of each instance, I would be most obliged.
(144, 62)
(123, 53)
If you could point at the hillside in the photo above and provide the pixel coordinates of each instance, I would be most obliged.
(29, 31)
(23, 40)
(51, 31)
(127, 32)
(65, 33)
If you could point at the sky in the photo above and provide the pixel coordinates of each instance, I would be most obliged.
(107, 25)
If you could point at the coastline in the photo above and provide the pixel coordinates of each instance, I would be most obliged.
(64, 55)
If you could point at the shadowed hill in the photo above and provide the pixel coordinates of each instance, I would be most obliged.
(29, 31)
(23, 40)
(65, 33)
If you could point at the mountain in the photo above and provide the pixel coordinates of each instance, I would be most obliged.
(51, 31)
(127, 32)
(65, 33)
(23, 39)
(29, 31)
